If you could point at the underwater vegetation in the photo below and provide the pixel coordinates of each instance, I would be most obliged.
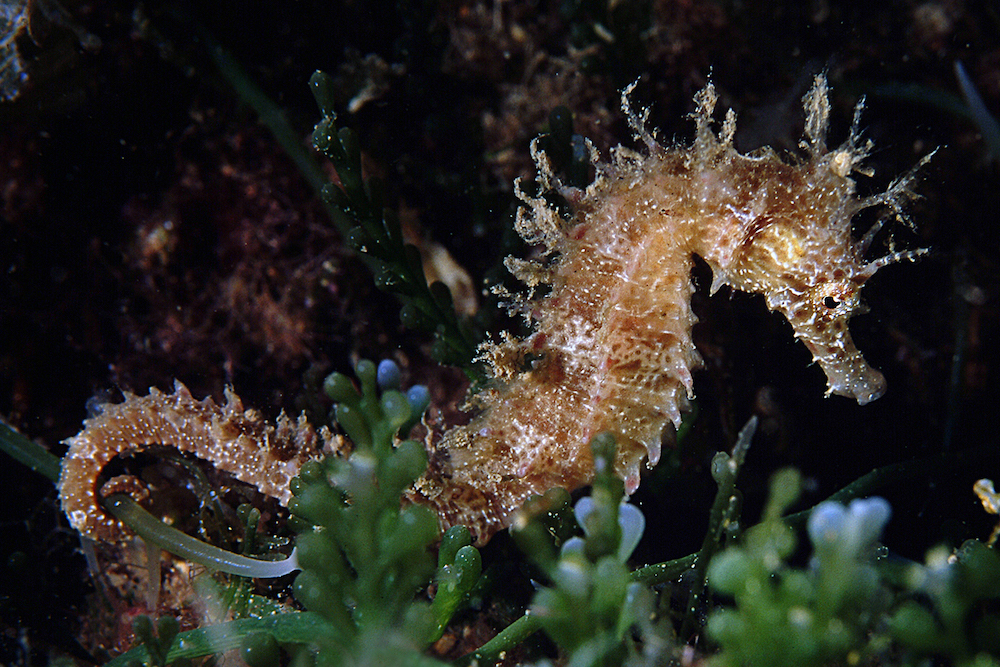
(372, 591)
(353, 548)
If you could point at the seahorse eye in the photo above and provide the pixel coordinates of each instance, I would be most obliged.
(830, 302)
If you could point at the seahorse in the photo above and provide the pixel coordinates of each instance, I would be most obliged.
(612, 349)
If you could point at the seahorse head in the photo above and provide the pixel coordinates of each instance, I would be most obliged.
(802, 257)
(784, 231)
(818, 295)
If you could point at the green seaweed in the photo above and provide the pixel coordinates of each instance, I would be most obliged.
(851, 604)
(376, 234)
(951, 607)
(723, 518)
(787, 616)
(291, 628)
(364, 559)
(154, 531)
(592, 605)
(368, 566)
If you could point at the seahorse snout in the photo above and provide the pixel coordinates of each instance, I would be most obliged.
(847, 372)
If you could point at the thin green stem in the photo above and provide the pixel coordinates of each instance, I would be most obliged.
(273, 117)
(725, 468)
(151, 529)
(29, 452)
(492, 651)
(894, 473)
(661, 573)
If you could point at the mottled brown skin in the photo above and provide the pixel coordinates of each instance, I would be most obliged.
(233, 439)
(612, 348)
